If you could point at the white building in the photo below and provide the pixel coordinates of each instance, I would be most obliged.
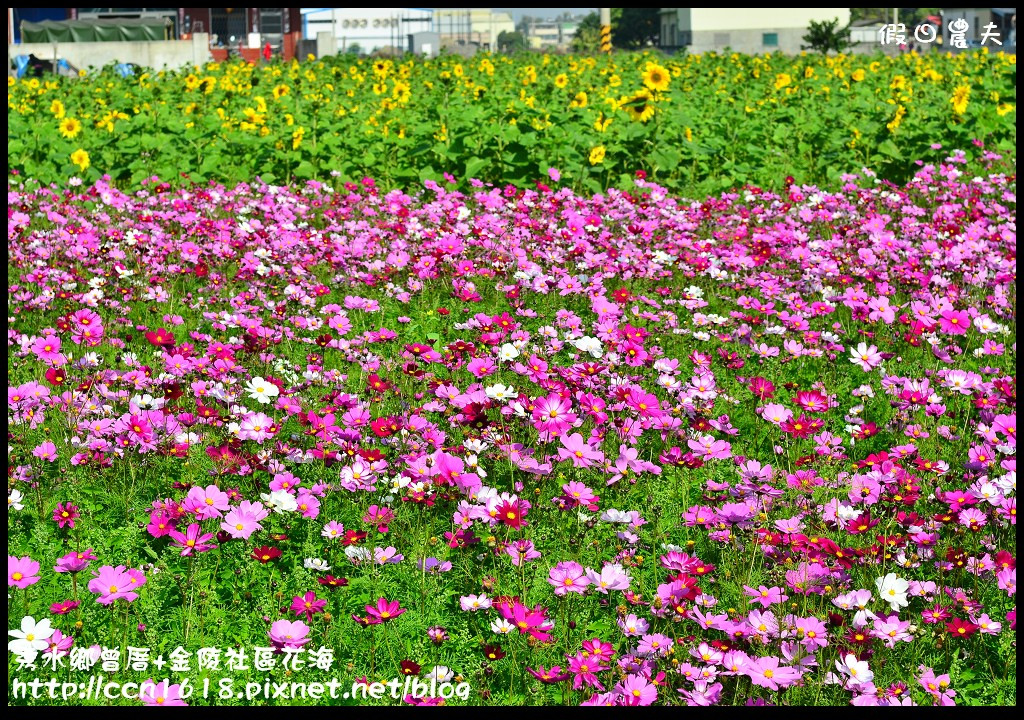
(368, 28)
(551, 34)
(747, 30)
(1002, 22)
(476, 27)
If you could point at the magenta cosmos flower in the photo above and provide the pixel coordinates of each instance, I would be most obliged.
(385, 610)
(22, 571)
(74, 562)
(65, 515)
(192, 540)
(307, 605)
(113, 584)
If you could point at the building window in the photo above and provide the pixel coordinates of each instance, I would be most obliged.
(228, 24)
(770, 39)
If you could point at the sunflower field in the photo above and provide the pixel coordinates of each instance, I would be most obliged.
(695, 124)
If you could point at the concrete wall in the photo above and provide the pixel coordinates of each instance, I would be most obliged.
(156, 55)
(748, 41)
(326, 44)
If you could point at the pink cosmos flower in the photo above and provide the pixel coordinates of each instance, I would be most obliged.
(208, 502)
(240, 524)
(767, 673)
(161, 694)
(114, 583)
(46, 451)
(568, 576)
(192, 540)
(384, 611)
(74, 562)
(954, 322)
(289, 634)
(579, 452)
(47, 349)
(611, 577)
(307, 605)
(22, 571)
(65, 515)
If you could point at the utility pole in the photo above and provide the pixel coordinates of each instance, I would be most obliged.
(606, 30)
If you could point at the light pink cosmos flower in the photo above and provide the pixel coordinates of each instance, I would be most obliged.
(289, 634)
(611, 577)
(22, 571)
(568, 577)
(161, 694)
(240, 524)
(114, 583)
(46, 451)
(574, 448)
(47, 349)
(208, 502)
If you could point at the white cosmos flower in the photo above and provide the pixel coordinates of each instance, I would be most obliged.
(501, 626)
(508, 352)
(474, 445)
(612, 515)
(358, 554)
(857, 670)
(500, 392)
(316, 564)
(588, 344)
(281, 501)
(893, 590)
(14, 500)
(440, 673)
(262, 391)
(31, 638)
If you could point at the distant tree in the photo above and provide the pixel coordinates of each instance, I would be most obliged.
(588, 34)
(826, 35)
(511, 41)
(873, 14)
(632, 28)
(636, 27)
(354, 48)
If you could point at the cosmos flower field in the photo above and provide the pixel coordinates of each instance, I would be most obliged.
(612, 448)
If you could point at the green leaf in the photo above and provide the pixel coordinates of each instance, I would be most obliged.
(473, 167)
(888, 147)
(304, 169)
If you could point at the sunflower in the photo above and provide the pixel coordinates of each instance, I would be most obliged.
(57, 108)
(893, 125)
(70, 127)
(597, 155)
(80, 158)
(656, 77)
(639, 106)
(561, 80)
(858, 75)
(280, 91)
(960, 99)
(580, 101)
